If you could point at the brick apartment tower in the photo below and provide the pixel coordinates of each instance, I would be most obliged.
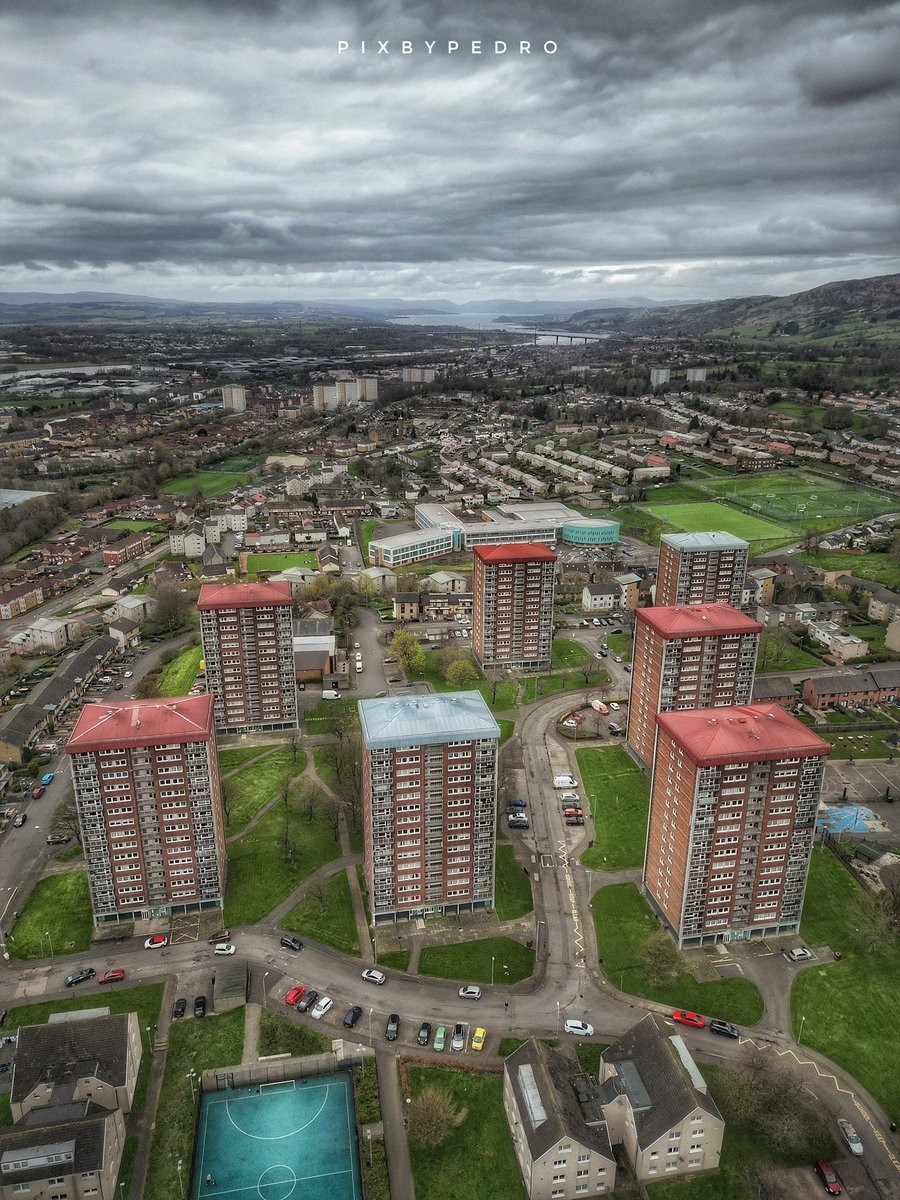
(512, 605)
(732, 815)
(429, 803)
(690, 656)
(147, 791)
(248, 649)
(701, 568)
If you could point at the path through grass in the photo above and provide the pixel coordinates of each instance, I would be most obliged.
(620, 803)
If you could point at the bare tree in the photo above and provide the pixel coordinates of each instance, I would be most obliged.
(330, 812)
(432, 1116)
(660, 957)
(65, 819)
(494, 678)
(296, 745)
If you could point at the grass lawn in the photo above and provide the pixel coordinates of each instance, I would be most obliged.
(697, 518)
(798, 496)
(5, 1110)
(133, 526)
(58, 911)
(280, 562)
(230, 760)
(880, 568)
(536, 687)
(326, 915)
(260, 874)
(395, 960)
(145, 1001)
(433, 673)
(567, 653)
(470, 962)
(178, 676)
(513, 886)
(449, 1171)
(640, 523)
(620, 802)
(216, 1041)
(858, 745)
(506, 697)
(280, 1035)
(251, 788)
(621, 644)
(852, 1007)
(873, 634)
(210, 483)
(507, 729)
(777, 655)
(316, 719)
(623, 923)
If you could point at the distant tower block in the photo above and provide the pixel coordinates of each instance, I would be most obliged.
(418, 374)
(659, 376)
(234, 397)
(696, 375)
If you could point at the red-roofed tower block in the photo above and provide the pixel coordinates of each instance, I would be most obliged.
(512, 605)
(689, 656)
(248, 649)
(149, 804)
(732, 815)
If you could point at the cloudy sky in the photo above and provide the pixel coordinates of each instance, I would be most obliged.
(228, 150)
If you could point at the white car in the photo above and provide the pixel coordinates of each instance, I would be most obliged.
(570, 724)
(581, 1028)
(615, 707)
(470, 992)
(569, 798)
(370, 975)
(799, 954)
(224, 948)
(321, 1007)
(359, 666)
(618, 658)
(850, 1136)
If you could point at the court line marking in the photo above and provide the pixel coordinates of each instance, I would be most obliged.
(255, 1187)
(259, 1137)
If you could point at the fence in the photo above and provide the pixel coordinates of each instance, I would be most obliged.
(278, 1071)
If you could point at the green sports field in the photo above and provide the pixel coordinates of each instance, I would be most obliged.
(799, 497)
(697, 518)
(280, 562)
(210, 483)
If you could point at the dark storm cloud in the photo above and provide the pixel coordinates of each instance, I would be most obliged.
(227, 148)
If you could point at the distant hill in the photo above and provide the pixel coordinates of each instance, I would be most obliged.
(847, 307)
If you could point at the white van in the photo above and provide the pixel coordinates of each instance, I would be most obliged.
(564, 781)
(331, 694)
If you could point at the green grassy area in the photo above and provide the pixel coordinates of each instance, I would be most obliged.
(536, 687)
(512, 886)
(850, 1009)
(482, 1137)
(620, 802)
(797, 496)
(858, 745)
(316, 720)
(507, 691)
(433, 673)
(58, 915)
(6, 1117)
(210, 483)
(230, 760)
(145, 1001)
(326, 915)
(280, 1035)
(880, 568)
(261, 873)
(394, 960)
(178, 676)
(641, 523)
(133, 526)
(281, 562)
(507, 729)
(567, 653)
(698, 517)
(216, 1041)
(252, 787)
(621, 644)
(777, 654)
(623, 923)
(470, 962)
(873, 634)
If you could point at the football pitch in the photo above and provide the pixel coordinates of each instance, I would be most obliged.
(797, 497)
(280, 562)
(697, 518)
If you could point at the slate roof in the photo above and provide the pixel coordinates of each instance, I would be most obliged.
(64, 1051)
(658, 1085)
(88, 1136)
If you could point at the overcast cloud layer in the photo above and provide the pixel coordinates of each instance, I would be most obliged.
(227, 150)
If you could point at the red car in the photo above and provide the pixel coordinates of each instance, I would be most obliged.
(683, 1017)
(828, 1175)
(38, 792)
(294, 994)
(116, 975)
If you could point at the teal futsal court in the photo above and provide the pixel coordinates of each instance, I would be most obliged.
(278, 1141)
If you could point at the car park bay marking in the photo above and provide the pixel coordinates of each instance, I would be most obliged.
(548, 860)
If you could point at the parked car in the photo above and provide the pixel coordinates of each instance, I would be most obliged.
(295, 994)
(683, 1017)
(370, 975)
(37, 792)
(850, 1136)
(225, 948)
(458, 1040)
(20, 820)
(291, 942)
(308, 1001)
(517, 820)
(517, 803)
(569, 798)
(156, 942)
(574, 820)
(224, 935)
(828, 1175)
(116, 975)
(321, 1007)
(423, 1037)
(440, 1037)
(179, 1007)
(478, 1038)
(564, 781)
(724, 1028)
(580, 1028)
(47, 779)
(200, 1006)
(80, 976)
(470, 991)
(628, 668)
(798, 954)
(57, 839)
(392, 1029)
(614, 706)
(353, 1015)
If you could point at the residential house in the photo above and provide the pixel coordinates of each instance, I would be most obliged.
(17, 600)
(842, 645)
(127, 634)
(381, 579)
(189, 541)
(601, 597)
(117, 553)
(445, 606)
(407, 606)
(213, 563)
(630, 590)
(759, 587)
(134, 608)
(879, 684)
(48, 634)
(329, 558)
(884, 606)
(314, 648)
(446, 581)
(775, 689)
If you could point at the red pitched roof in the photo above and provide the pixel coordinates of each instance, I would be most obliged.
(245, 595)
(694, 620)
(742, 733)
(142, 723)
(524, 552)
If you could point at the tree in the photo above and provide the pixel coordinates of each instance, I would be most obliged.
(461, 674)
(330, 814)
(872, 922)
(227, 792)
(432, 1116)
(660, 957)
(65, 819)
(586, 667)
(296, 746)
(339, 722)
(172, 608)
(494, 678)
(407, 651)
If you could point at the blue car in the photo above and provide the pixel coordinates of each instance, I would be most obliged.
(517, 803)
(45, 779)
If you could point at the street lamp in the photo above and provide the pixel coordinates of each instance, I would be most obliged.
(492, 970)
(50, 940)
(557, 1018)
(191, 1076)
(265, 977)
(149, 1043)
(369, 1140)
(800, 1030)
(371, 1010)
(180, 1184)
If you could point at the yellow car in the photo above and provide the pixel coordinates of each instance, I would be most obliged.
(478, 1038)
